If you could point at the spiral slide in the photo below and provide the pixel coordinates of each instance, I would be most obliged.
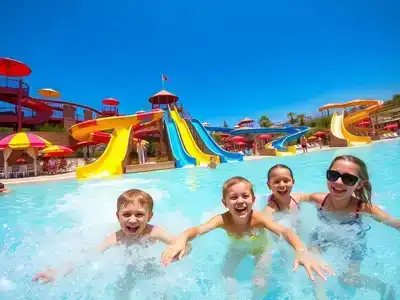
(188, 140)
(339, 121)
(210, 143)
(292, 133)
(110, 162)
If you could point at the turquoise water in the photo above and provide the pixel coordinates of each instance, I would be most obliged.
(52, 223)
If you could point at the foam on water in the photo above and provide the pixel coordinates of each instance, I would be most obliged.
(53, 223)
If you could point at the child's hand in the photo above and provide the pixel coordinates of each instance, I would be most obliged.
(47, 276)
(310, 263)
(178, 249)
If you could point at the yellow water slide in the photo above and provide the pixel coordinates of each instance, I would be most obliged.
(339, 122)
(188, 140)
(110, 162)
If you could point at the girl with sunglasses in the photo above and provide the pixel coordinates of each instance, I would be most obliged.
(349, 198)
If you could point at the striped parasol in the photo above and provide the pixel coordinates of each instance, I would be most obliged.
(23, 140)
(57, 151)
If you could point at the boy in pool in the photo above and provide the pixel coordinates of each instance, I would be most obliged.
(3, 189)
(248, 231)
(134, 211)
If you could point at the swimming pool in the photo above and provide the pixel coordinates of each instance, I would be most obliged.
(50, 223)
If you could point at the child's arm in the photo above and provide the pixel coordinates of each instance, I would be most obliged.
(381, 216)
(180, 246)
(302, 256)
(51, 274)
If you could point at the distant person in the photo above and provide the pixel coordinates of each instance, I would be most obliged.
(3, 189)
(212, 164)
(303, 143)
(320, 142)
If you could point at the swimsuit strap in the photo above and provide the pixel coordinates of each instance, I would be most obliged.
(323, 202)
(357, 209)
(294, 200)
(272, 198)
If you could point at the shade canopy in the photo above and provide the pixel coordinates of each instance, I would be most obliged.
(110, 102)
(57, 151)
(13, 68)
(49, 93)
(23, 140)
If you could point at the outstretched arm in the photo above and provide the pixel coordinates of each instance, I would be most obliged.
(51, 274)
(381, 216)
(179, 248)
(302, 256)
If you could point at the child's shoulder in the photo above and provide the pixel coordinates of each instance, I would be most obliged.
(318, 197)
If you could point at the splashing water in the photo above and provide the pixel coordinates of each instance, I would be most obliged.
(51, 224)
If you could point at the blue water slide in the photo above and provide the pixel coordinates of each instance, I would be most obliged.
(182, 158)
(292, 135)
(212, 145)
(290, 131)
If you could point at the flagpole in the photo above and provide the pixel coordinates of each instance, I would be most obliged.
(162, 81)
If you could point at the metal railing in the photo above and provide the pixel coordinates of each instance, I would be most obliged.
(6, 82)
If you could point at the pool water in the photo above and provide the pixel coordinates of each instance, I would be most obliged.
(53, 223)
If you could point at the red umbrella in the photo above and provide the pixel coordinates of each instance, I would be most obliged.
(237, 139)
(320, 133)
(110, 101)
(391, 126)
(364, 123)
(240, 143)
(264, 137)
(13, 68)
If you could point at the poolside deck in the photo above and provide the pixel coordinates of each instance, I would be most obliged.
(165, 165)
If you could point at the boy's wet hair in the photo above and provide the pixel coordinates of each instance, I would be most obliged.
(235, 180)
(364, 193)
(135, 196)
(282, 167)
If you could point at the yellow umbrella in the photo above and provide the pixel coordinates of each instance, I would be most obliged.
(50, 93)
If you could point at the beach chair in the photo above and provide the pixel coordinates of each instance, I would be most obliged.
(16, 171)
(2, 174)
(31, 170)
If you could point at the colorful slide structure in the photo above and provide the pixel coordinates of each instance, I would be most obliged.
(212, 146)
(292, 133)
(110, 162)
(182, 158)
(339, 121)
(188, 141)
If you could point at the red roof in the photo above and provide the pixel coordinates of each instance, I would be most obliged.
(163, 97)
(110, 102)
(13, 68)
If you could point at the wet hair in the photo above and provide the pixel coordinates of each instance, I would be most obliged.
(365, 192)
(2, 186)
(282, 167)
(235, 180)
(135, 196)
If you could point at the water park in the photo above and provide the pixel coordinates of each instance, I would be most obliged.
(63, 165)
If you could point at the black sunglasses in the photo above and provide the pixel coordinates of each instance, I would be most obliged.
(348, 179)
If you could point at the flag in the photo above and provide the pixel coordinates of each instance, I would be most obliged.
(163, 77)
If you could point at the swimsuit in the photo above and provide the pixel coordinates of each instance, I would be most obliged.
(254, 243)
(272, 198)
(348, 234)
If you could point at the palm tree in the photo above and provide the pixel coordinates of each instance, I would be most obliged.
(292, 117)
(264, 121)
(301, 118)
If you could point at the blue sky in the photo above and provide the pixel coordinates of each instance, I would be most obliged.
(224, 59)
